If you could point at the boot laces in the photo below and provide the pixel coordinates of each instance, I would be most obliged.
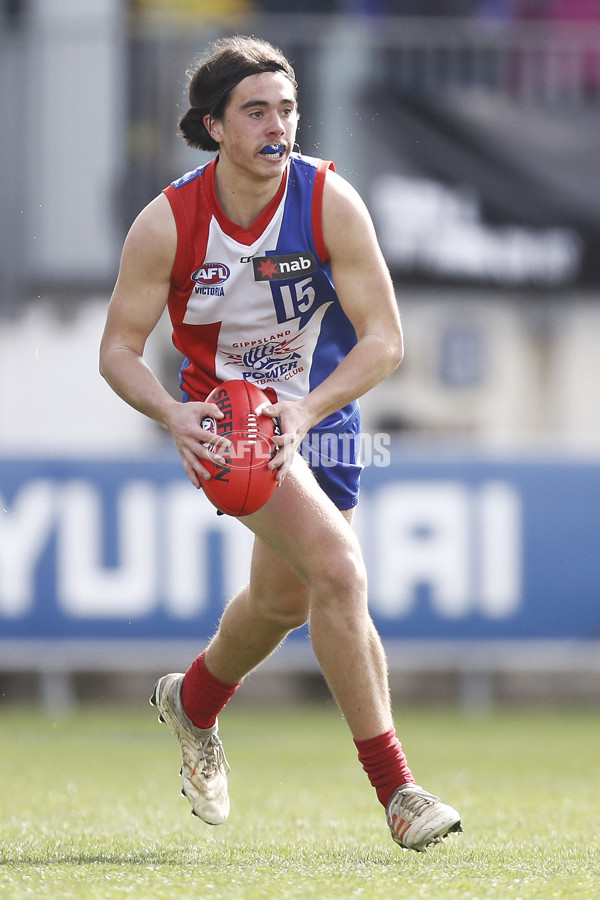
(211, 757)
(414, 803)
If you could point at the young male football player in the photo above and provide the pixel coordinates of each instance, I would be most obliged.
(265, 248)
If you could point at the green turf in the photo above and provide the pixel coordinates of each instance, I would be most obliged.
(90, 808)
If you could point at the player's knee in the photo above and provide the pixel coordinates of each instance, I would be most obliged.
(343, 578)
(287, 612)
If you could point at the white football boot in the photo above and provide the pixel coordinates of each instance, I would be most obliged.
(418, 818)
(204, 768)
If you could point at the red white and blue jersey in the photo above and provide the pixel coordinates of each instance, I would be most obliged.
(256, 303)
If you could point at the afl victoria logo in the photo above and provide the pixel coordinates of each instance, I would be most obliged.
(211, 273)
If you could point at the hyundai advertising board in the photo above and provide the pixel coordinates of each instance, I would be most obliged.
(456, 548)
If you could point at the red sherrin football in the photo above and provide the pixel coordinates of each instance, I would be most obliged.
(245, 483)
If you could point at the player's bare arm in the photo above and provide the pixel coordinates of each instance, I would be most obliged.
(366, 293)
(138, 301)
(364, 288)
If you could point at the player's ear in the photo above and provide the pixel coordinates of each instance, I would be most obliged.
(213, 126)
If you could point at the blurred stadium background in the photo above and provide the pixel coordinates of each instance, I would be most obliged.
(472, 129)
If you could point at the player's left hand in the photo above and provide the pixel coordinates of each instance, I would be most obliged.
(294, 426)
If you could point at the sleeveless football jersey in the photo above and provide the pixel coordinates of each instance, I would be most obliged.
(256, 303)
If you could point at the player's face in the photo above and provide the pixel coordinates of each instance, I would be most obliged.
(258, 130)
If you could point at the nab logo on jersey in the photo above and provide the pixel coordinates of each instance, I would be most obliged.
(283, 267)
(211, 274)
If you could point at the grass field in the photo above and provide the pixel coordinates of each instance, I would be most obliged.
(90, 808)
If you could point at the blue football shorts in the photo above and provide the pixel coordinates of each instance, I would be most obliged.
(334, 458)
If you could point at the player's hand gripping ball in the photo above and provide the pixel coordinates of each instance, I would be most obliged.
(245, 483)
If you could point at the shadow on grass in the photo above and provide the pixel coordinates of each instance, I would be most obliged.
(217, 857)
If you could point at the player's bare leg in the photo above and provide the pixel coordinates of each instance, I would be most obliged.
(317, 542)
(259, 617)
(275, 602)
(316, 568)
(324, 555)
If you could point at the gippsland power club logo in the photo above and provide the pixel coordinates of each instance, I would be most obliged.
(270, 358)
(269, 361)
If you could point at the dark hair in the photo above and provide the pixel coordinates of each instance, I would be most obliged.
(228, 61)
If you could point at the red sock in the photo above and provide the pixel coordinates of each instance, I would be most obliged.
(384, 762)
(203, 696)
